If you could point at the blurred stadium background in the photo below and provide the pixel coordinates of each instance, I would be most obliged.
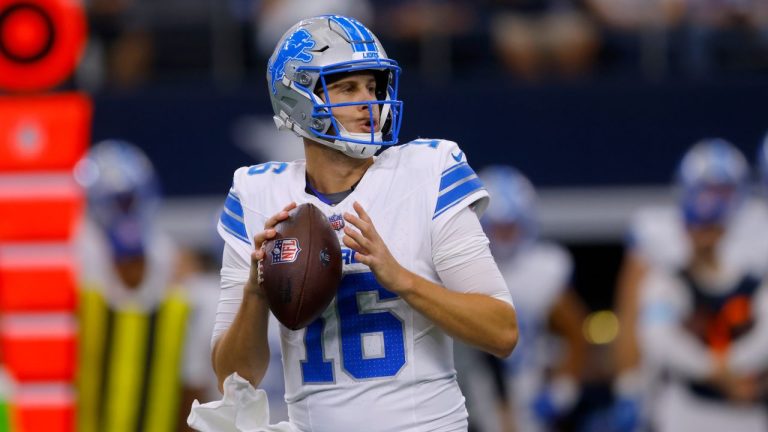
(595, 100)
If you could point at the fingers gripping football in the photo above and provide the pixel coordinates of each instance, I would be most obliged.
(255, 278)
(371, 250)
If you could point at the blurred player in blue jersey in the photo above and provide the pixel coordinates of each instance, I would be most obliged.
(417, 270)
(698, 304)
(541, 384)
(138, 326)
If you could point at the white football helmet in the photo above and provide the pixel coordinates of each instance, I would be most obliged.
(712, 178)
(305, 56)
(762, 163)
(123, 194)
(510, 220)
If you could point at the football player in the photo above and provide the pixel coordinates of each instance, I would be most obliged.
(417, 267)
(685, 265)
(136, 322)
(541, 386)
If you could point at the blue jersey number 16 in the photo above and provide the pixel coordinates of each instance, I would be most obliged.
(355, 326)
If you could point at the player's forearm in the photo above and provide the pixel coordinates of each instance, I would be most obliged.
(243, 348)
(672, 348)
(476, 319)
(566, 317)
(749, 354)
(627, 351)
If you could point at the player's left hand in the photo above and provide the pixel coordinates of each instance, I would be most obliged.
(371, 250)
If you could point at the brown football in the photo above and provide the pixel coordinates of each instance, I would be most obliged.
(301, 269)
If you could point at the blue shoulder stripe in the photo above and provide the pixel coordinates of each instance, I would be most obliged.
(454, 174)
(453, 196)
(232, 203)
(233, 225)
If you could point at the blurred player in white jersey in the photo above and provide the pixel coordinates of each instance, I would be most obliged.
(696, 301)
(417, 267)
(541, 385)
(142, 335)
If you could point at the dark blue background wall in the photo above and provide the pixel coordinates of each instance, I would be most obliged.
(579, 134)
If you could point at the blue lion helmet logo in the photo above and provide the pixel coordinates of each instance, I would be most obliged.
(294, 48)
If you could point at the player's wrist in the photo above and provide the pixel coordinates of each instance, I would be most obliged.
(406, 283)
(254, 289)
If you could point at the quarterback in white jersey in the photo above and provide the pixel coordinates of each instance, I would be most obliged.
(417, 267)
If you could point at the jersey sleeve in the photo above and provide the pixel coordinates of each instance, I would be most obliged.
(458, 184)
(656, 235)
(561, 262)
(232, 225)
(463, 259)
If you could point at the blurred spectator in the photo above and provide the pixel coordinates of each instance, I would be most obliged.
(120, 46)
(274, 16)
(433, 37)
(637, 34)
(636, 15)
(715, 237)
(725, 36)
(537, 39)
(140, 354)
(540, 382)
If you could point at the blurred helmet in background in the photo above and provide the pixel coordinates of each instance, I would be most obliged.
(123, 194)
(307, 55)
(762, 163)
(712, 177)
(510, 220)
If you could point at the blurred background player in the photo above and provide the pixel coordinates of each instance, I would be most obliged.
(540, 382)
(715, 233)
(144, 349)
(705, 323)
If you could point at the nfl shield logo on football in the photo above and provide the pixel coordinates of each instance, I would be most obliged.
(337, 222)
(285, 251)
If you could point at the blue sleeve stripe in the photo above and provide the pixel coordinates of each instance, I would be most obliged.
(244, 240)
(233, 205)
(658, 313)
(455, 195)
(454, 174)
(233, 225)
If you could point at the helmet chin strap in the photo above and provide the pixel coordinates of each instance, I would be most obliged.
(358, 151)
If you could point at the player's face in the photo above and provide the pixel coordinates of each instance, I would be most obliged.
(355, 87)
(705, 237)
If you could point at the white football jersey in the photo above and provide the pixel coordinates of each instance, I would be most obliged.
(657, 235)
(536, 277)
(370, 362)
(97, 270)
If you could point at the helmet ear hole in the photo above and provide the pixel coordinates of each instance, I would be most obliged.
(289, 102)
(382, 79)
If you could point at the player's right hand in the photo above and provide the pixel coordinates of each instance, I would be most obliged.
(254, 280)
